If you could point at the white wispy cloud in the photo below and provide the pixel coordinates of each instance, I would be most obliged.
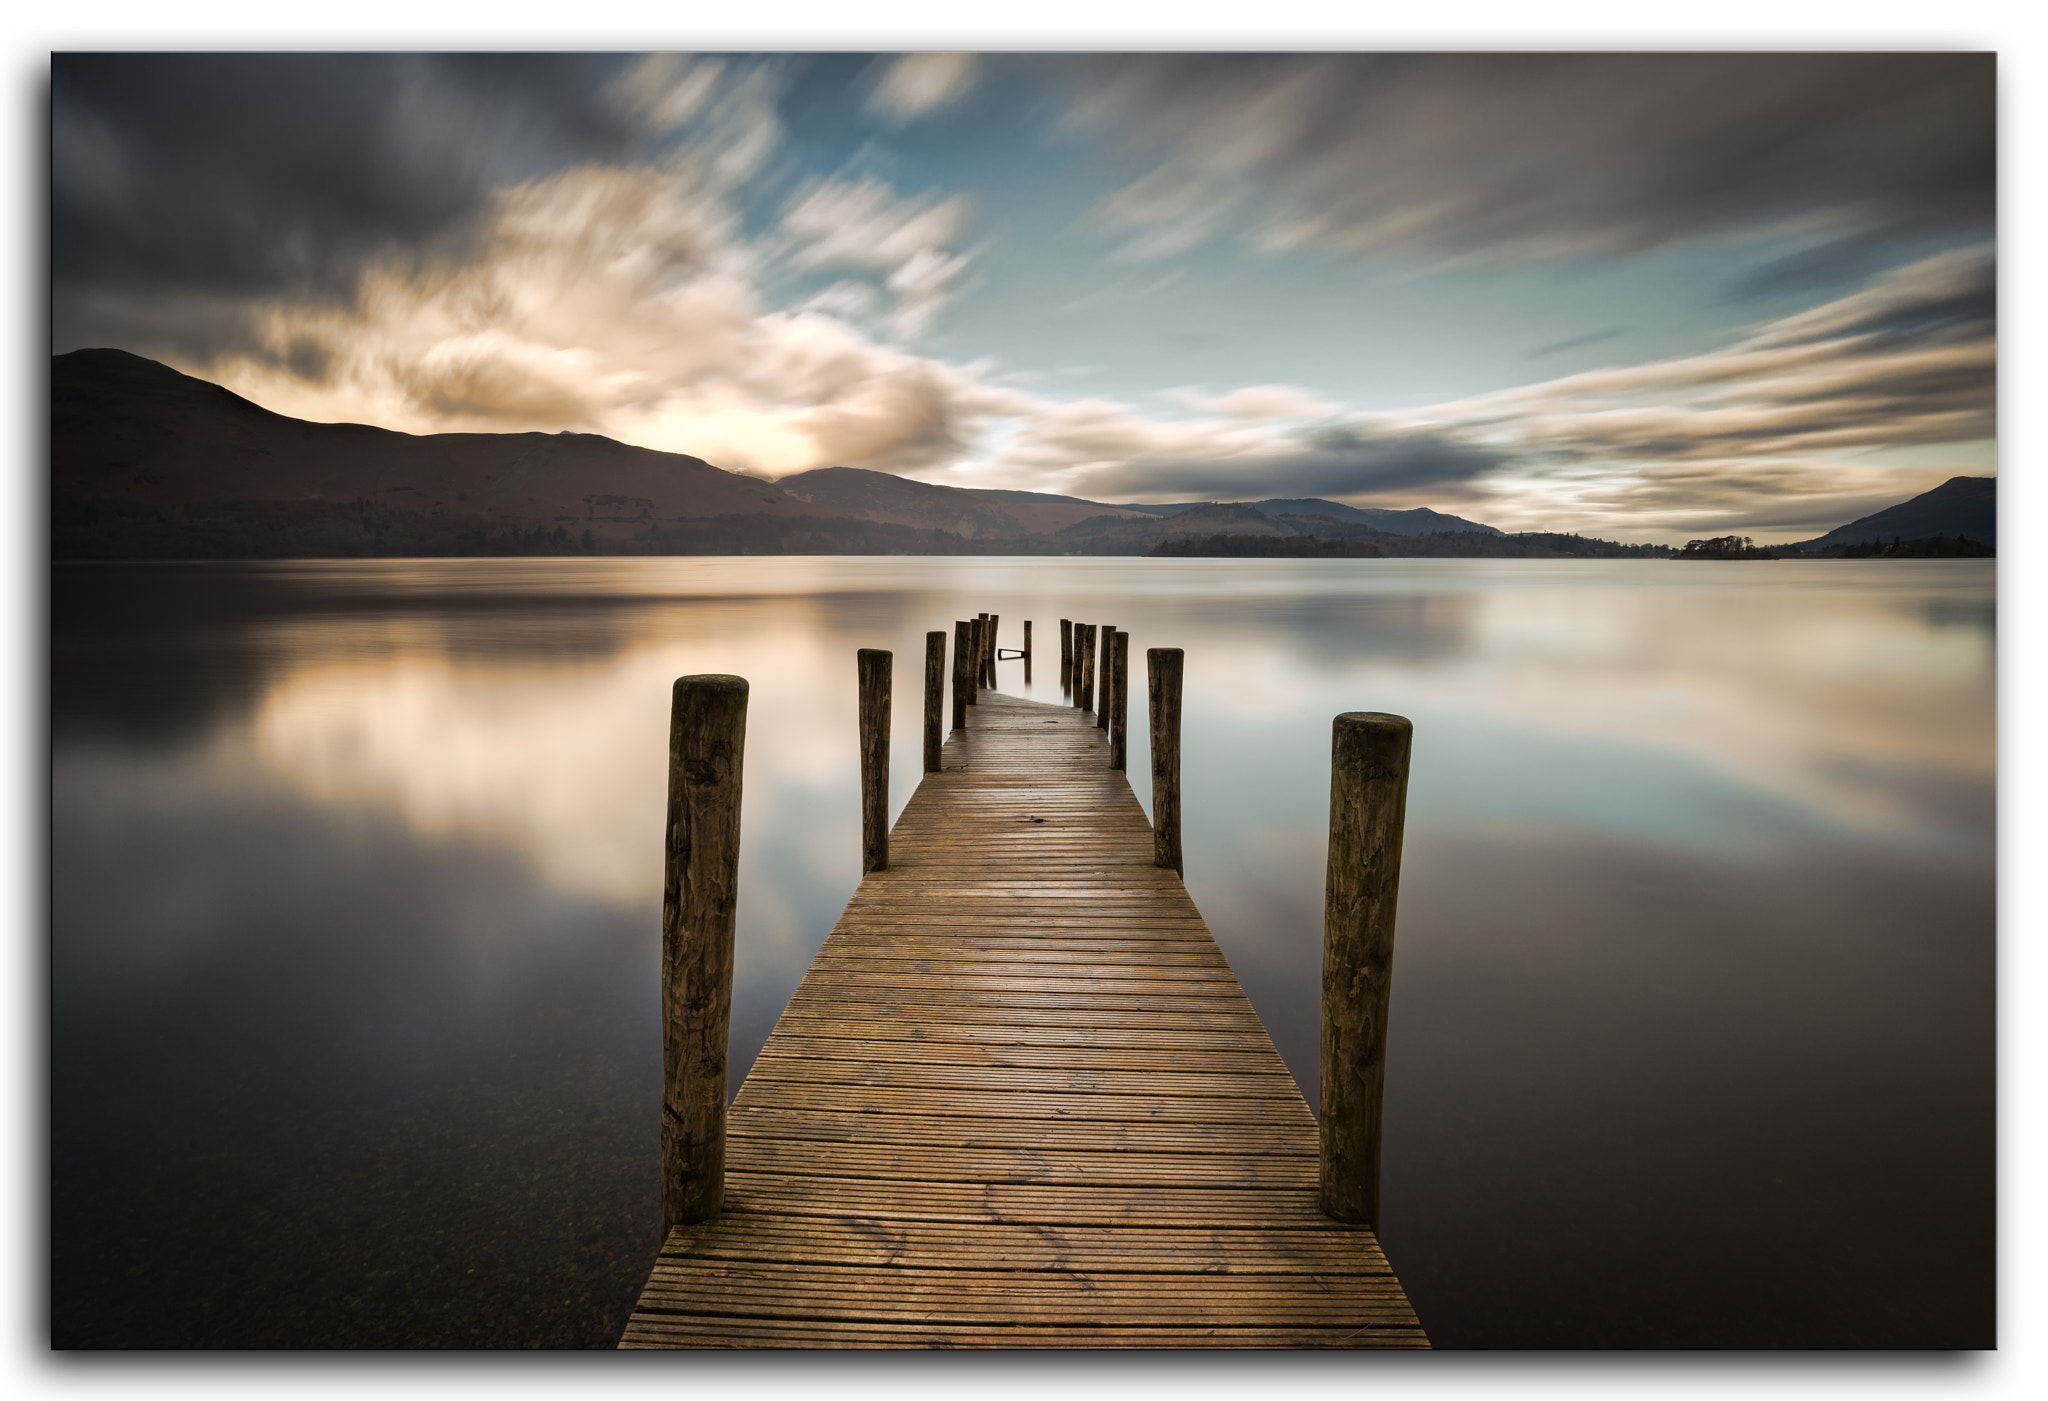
(916, 85)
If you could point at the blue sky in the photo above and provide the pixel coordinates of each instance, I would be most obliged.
(1644, 296)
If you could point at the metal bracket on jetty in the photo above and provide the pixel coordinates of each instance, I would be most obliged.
(1019, 1099)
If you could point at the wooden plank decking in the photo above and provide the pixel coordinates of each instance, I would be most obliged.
(1020, 1100)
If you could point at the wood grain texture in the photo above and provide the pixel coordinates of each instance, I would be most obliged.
(1020, 1100)
(1368, 803)
(875, 671)
(700, 890)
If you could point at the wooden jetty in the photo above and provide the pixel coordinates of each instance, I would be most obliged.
(1020, 1100)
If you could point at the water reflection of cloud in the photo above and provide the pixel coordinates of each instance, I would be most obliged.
(563, 762)
(1694, 711)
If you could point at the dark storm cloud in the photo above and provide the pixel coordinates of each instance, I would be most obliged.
(1545, 155)
(227, 176)
(1333, 462)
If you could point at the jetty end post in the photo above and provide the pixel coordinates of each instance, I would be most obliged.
(1066, 653)
(1102, 690)
(934, 697)
(1080, 634)
(963, 680)
(1368, 800)
(874, 668)
(1119, 700)
(1162, 685)
(989, 661)
(1027, 651)
(699, 897)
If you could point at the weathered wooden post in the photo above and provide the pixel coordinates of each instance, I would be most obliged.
(1084, 689)
(974, 659)
(989, 660)
(1119, 700)
(934, 697)
(874, 668)
(1027, 651)
(963, 680)
(1080, 645)
(1368, 801)
(1102, 689)
(1162, 684)
(699, 895)
(1066, 654)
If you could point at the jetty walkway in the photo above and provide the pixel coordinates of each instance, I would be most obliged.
(1020, 1100)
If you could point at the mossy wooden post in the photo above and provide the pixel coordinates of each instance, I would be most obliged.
(1108, 659)
(1119, 700)
(699, 896)
(874, 669)
(934, 697)
(1162, 685)
(1368, 800)
(963, 679)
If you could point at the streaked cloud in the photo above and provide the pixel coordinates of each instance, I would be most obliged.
(1446, 157)
(1574, 342)
(916, 85)
(645, 247)
(865, 225)
(1255, 402)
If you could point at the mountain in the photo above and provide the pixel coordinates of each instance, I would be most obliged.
(131, 439)
(964, 511)
(148, 463)
(1959, 506)
(1419, 521)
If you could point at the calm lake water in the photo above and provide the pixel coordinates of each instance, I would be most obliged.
(357, 870)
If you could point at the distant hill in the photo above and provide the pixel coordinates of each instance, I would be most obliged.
(1959, 506)
(134, 442)
(1313, 541)
(1419, 521)
(968, 512)
(149, 463)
